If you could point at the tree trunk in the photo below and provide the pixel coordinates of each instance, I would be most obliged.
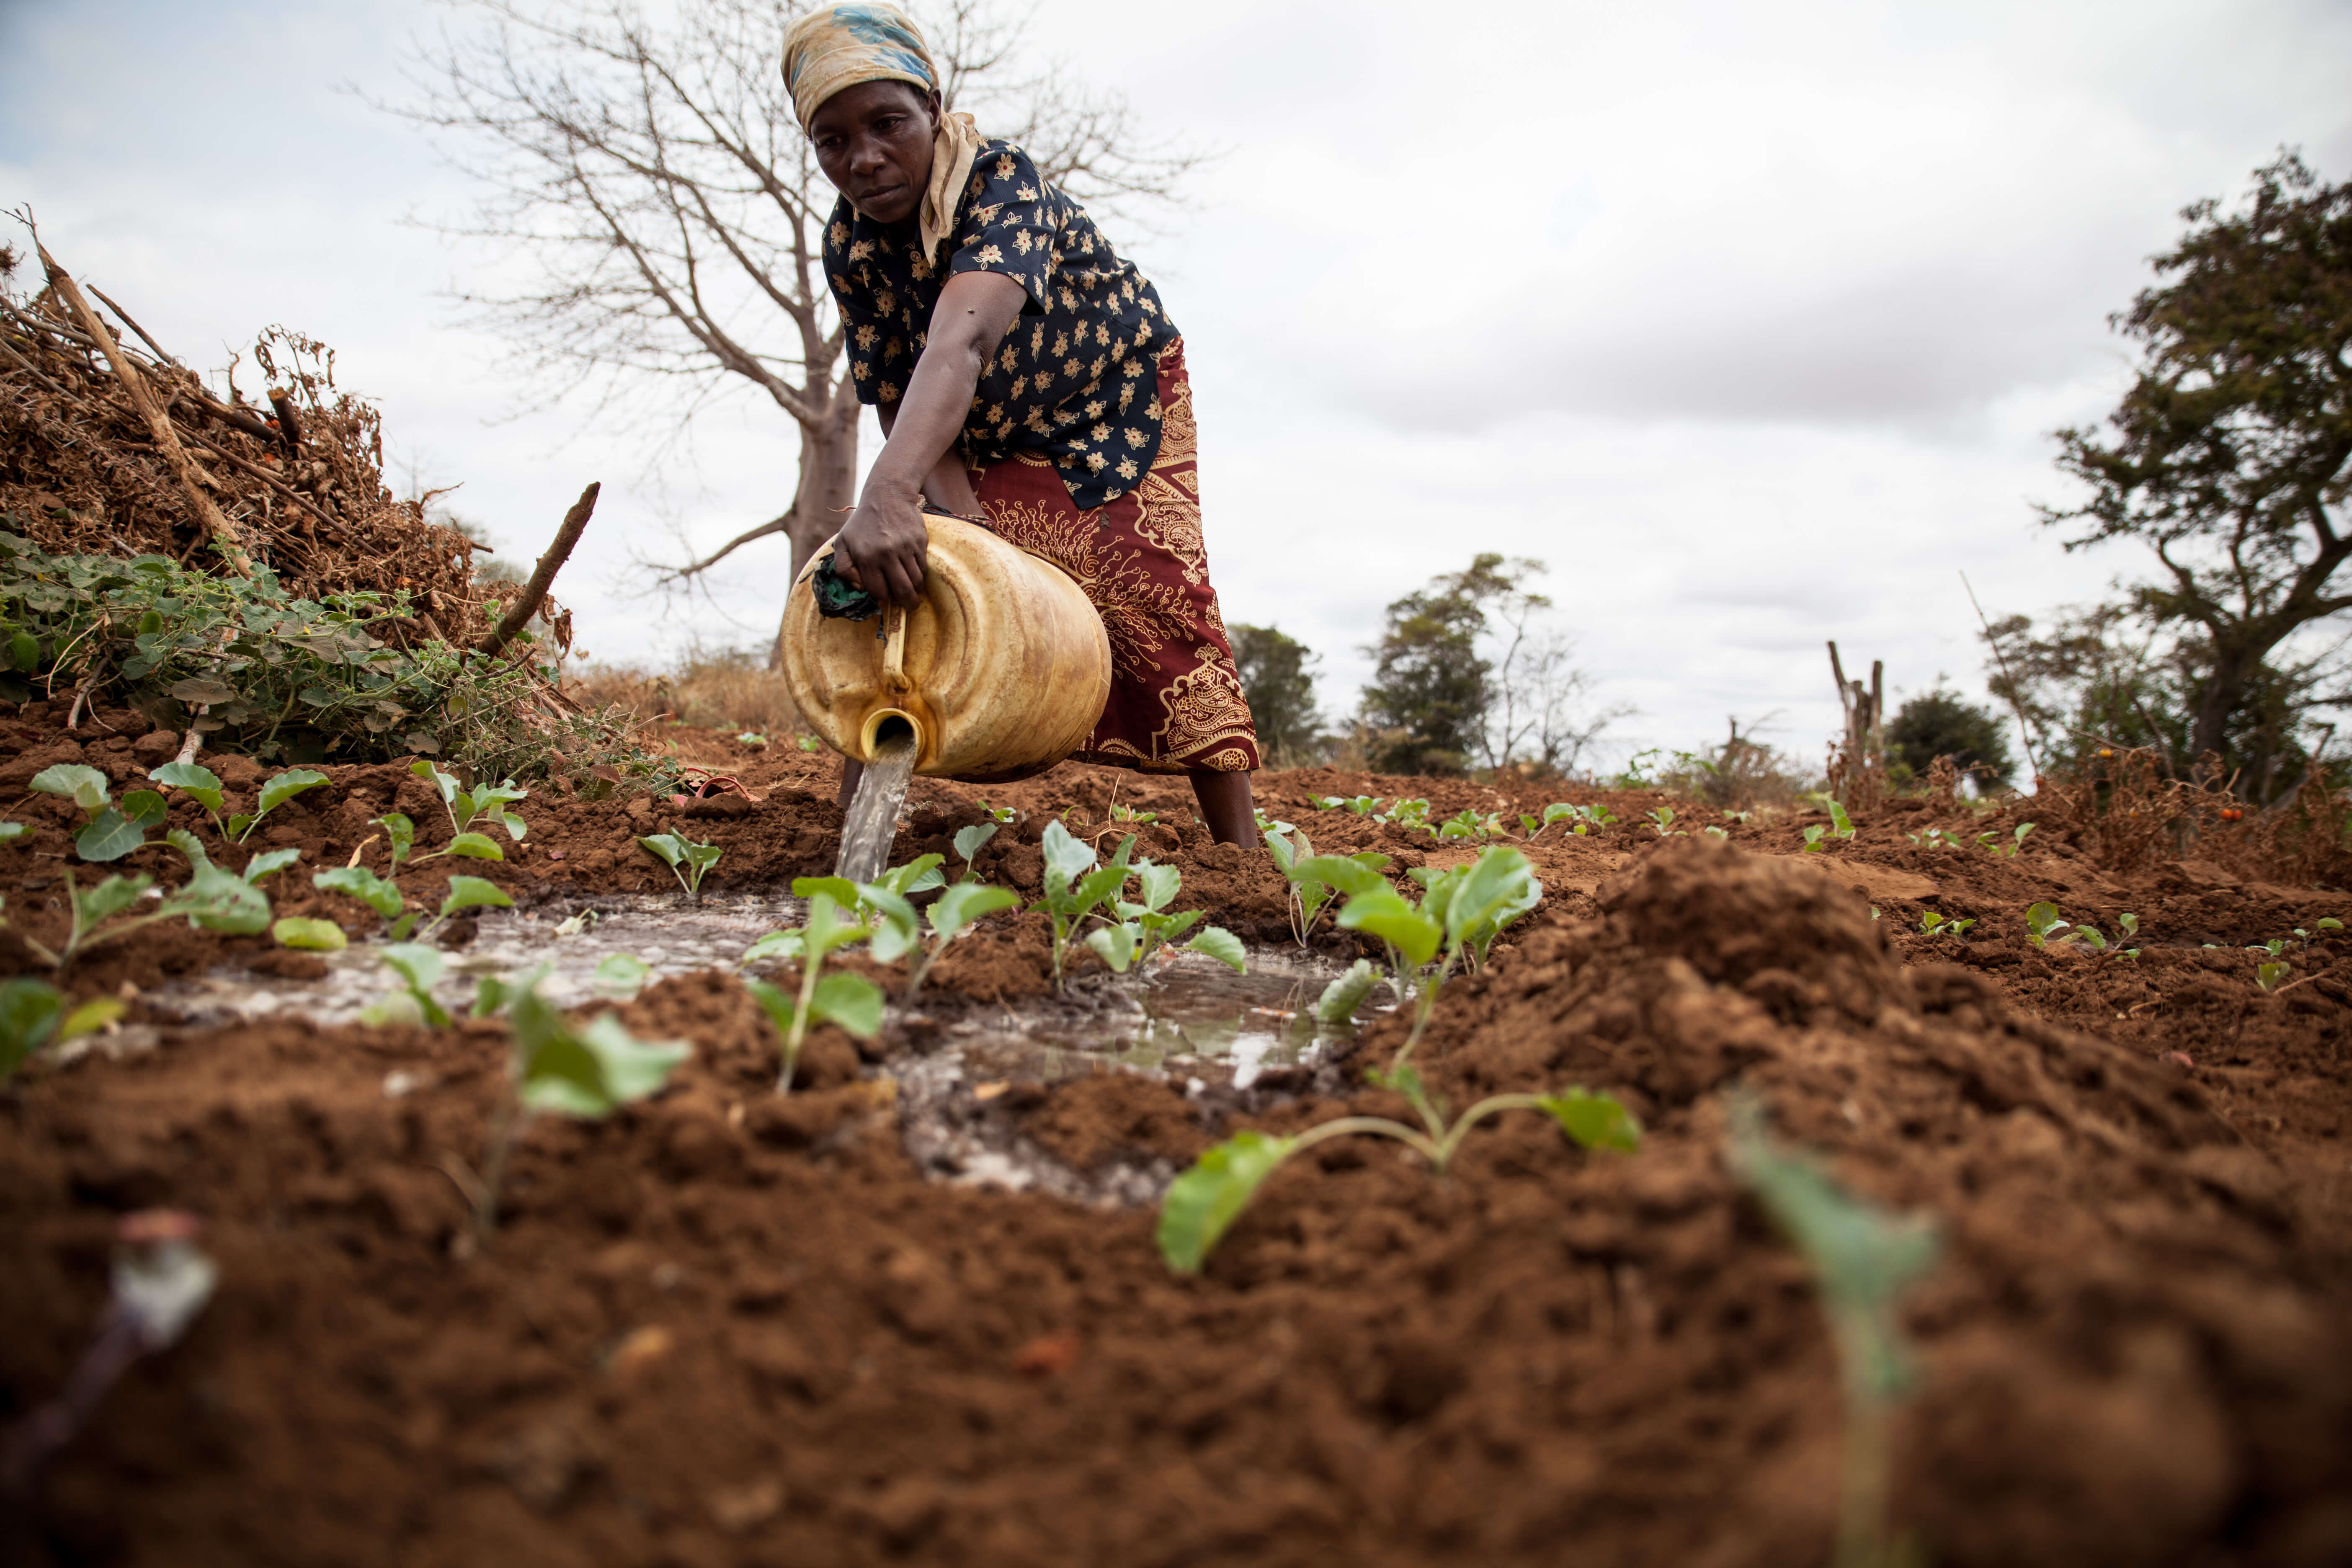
(2224, 687)
(827, 489)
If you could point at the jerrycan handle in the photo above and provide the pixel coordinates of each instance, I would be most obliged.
(894, 648)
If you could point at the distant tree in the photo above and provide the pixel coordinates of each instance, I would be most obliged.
(645, 167)
(2108, 676)
(1426, 707)
(2230, 457)
(1437, 700)
(1278, 679)
(1941, 723)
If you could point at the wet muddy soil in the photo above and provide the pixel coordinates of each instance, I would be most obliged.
(913, 1312)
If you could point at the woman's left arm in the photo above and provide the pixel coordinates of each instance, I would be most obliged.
(883, 541)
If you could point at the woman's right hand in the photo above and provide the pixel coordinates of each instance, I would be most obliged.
(882, 546)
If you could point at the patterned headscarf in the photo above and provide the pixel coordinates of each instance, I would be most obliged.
(841, 46)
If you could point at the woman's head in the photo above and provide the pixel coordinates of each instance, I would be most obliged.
(867, 96)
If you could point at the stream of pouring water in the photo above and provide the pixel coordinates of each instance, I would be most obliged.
(873, 820)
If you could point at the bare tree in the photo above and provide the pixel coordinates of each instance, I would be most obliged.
(651, 179)
(1537, 698)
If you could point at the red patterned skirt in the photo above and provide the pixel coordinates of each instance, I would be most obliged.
(1176, 700)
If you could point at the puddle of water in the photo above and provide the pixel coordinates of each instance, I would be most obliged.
(670, 937)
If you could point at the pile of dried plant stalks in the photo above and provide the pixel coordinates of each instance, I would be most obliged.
(106, 449)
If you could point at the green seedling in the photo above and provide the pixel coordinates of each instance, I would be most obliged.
(1938, 838)
(951, 915)
(1558, 811)
(687, 860)
(1934, 924)
(1992, 844)
(1864, 1258)
(419, 967)
(211, 900)
(2268, 975)
(968, 842)
(1341, 999)
(1813, 845)
(1145, 926)
(32, 1014)
(897, 929)
(1717, 832)
(1661, 821)
(1128, 814)
(1741, 816)
(399, 837)
(1004, 815)
(1310, 887)
(1410, 813)
(1074, 885)
(1360, 805)
(1462, 911)
(276, 790)
(1203, 1203)
(12, 831)
(466, 893)
(376, 892)
(308, 936)
(485, 803)
(809, 743)
(1265, 824)
(752, 738)
(621, 976)
(557, 1066)
(111, 831)
(1841, 825)
(1470, 825)
(850, 1001)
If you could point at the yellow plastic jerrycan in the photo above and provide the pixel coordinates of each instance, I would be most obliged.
(1000, 672)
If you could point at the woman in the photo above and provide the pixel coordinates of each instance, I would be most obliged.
(1021, 371)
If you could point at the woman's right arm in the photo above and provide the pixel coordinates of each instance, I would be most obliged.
(948, 484)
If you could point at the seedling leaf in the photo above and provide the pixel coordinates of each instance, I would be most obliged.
(199, 785)
(84, 784)
(270, 863)
(1341, 999)
(851, 1001)
(313, 936)
(1594, 1121)
(362, 884)
(1217, 942)
(621, 975)
(473, 892)
(1202, 1204)
(966, 902)
(278, 791)
(109, 836)
(474, 846)
(1115, 945)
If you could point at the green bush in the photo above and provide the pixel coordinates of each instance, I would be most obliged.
(283, 679)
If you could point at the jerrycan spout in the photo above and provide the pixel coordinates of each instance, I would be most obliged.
(891, 727)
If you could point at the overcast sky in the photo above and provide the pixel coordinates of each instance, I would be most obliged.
(1751, 321)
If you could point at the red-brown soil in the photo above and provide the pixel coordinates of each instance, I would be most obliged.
(724, 1329)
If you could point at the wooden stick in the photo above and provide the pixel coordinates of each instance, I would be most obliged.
(184, 467)
(290, 427)
(26, 366)
(534, 593)
(161, 353)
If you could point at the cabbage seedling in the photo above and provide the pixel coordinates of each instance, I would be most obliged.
(378, 893)
(485, 803)
(1462, 911)
(851, 1001)
(1143, 928)
(2045, 928)
(1934, 924)
(1994, 846)
(32, 1014)
(420, 967)
(1341, 999)
(111, 831)
(969, 841)
(687, 860)
(12, 831)
(1863, 1258)
(1311, 877)
(1662, 821)
(1558, 811)
(951, 915)
(200, 784)
(276, 790)
(308, 935)
(1203, 1203)
(211, 900)
(1074, 885)
(2268, 975)
(559, 1067)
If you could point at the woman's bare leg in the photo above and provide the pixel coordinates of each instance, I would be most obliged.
(852, 770)
(1225, 805)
